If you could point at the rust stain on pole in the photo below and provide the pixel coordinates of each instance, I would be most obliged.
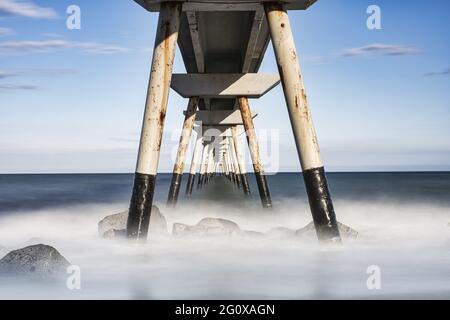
(254, 152)
(302, 125)
(186, 134)
(153, 124)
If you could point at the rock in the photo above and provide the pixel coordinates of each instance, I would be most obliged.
(254, 234)
(113, 222)
(113, 233)
(310, 231)
(39, 261)
(216, 225)
(180, 229)
(3, 251)
(207, 226)
(282, 232)
(115, 225)
(158, 223)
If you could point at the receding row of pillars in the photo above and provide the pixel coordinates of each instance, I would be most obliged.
(298, 108)
(230, 161)
(225, 159)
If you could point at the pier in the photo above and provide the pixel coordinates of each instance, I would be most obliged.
(223, 44)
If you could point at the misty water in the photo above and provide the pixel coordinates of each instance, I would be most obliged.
(403, 220)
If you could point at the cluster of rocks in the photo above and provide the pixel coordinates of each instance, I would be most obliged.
(114, 226)
(222, 227)
(207, 226)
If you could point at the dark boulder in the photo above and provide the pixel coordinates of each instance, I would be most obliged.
(38, 260)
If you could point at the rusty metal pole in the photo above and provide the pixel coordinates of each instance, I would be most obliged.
(302, 124)
(241, 162)
(178, 169)
(210, 164)
(235, 162)
(203, 166)
(230, 163)
(227, 167)
(196, 158)
(254, 152)
(153, 124)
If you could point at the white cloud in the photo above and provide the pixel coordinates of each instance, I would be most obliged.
(55, 44)
(17, 87)
(4, 74)
(26, 9)
(6, 32)
(445, 72)
(9, 73)
(380, 49)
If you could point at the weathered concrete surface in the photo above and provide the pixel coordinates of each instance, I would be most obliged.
(40, 261)
(114, 226)
(208, 227)
(310, 232)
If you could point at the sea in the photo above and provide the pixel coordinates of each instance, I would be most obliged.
(402, 251)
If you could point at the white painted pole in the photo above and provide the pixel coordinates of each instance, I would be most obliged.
(241, 161)
(203, 166)
(186, 134)
(302, 124)
(235, 161)
(196, 159)
(253, 145)
(153, 124)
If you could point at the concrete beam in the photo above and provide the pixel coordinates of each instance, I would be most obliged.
(224, 132)
(223, 5)
(227, 85)
(221, 118)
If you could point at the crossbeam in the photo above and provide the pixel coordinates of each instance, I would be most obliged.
(223, 5)
(221, 118)
(229, 85)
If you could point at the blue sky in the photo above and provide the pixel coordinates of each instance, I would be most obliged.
(72, 100)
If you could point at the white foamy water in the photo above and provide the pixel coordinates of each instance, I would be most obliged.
(410, 244)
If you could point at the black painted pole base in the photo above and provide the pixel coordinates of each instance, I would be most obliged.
(200, 181)
(141, 206)
(321, 205)
(190, 184)
(174, 189)
(263, 190)
(245, 184)
(238, 180)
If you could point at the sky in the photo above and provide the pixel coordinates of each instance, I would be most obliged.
(72, 101)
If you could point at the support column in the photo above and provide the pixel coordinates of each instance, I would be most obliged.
(196, 158)
(225, 164)
(230, 162)
(210, 164)
(153, 124)
(302, 124)
(201, 178)
(254, 152)
(181, 154)
(235, 162)
(241, 162)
